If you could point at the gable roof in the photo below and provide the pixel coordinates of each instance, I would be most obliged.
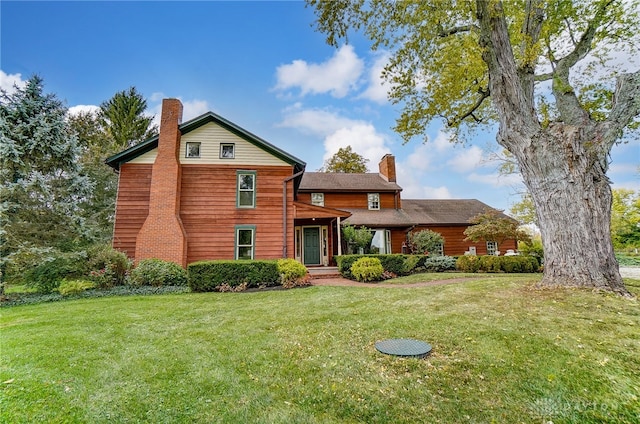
(338, 181)
(444, 211)
(139, 149)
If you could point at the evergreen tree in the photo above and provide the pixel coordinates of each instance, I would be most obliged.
(41, 184)
(96, 145)
(123, 118)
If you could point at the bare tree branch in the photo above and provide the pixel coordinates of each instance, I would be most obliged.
(626, 106)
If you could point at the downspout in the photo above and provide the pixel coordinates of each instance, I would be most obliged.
(284, 211)
(339, 238)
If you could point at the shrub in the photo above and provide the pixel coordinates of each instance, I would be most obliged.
(510, 264)
(425, 241)
(490, 263)
(108, 267)
(292, 273)
(47, 276)
(156, 272)
(367, 269)
(439, 263)
(74, 287)
(468, 263)
(393, 263)
(206, 276)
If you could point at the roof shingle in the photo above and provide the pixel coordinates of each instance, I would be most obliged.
(444, 211)
(332, 181)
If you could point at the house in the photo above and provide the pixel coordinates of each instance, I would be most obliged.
(208, 189)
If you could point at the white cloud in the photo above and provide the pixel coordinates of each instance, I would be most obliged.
(336, 76)
(378, 88)
(338, 131)
(467, 160)
(77, 109)
(314, 121)
(442, 142)
(419, 159)
(190, 108)
(363, 139)
(496, 179)
(9, 81)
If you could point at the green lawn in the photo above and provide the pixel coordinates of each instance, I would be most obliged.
(502, 352)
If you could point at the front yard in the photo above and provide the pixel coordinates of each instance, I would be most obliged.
(502, 352)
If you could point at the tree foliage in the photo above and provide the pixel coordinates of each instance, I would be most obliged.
(356, 238)
(492, 225)
(124, 120)
(541, 70)
(42, 185)
(347, 161)
(96, 145)
(425, 241)
(625, 218)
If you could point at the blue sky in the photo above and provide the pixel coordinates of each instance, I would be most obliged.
(261, 65)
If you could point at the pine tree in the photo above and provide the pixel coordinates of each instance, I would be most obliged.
(41, 184)
(123, 118)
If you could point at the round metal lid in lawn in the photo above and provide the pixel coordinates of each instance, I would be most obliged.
(407, 348)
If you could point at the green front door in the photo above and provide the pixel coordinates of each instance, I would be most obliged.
(311, 253)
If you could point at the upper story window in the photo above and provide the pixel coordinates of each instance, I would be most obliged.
(492, 247)
(246, 194)
(193, 150)
(317, 199)
(374, 201)
(227, 151)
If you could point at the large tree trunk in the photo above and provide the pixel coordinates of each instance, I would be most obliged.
(565, 173)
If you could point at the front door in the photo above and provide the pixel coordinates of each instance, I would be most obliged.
(311, 251)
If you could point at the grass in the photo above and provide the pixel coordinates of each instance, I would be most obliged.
(502, 352)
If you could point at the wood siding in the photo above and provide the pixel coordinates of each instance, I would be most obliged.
(132, 206)
(455, 245)
(209, 213)
(354, 200)
(210, 136)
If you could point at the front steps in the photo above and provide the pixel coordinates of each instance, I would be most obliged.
(323, 272)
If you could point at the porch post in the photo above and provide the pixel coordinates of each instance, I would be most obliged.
(339, 239)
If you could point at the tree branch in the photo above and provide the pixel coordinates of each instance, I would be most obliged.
(456, 30)
(484, 94)
(571, 111)
(626, 106)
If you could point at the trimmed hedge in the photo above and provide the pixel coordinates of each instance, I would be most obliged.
(509, 264)
(206, 276)
(393, 263)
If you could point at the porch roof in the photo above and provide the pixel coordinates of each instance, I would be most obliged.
(306, 211)
(379, 218)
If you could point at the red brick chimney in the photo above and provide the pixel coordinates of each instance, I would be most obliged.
(162, 236)
(387, 167)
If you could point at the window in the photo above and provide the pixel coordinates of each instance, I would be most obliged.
(381, 242)
(246, 189)
(438, 250)
(193, 150)
(245, 240)
(374, 201)
(227, 151)
(492, 247)
(317, 199)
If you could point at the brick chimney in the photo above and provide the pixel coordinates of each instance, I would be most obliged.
(387, 167)
(163, 236)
